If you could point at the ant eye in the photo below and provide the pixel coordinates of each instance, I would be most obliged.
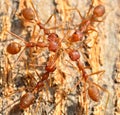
(99, 10)
(28, 14)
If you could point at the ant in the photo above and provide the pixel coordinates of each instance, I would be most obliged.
(15, 47)
(28, 98)
(93, 88)
(30, 14)
(87, 22)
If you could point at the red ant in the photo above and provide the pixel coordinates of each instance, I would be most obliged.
(87, 22)
(29, 14)
(93, 88)
(15, 47)
(28, 98)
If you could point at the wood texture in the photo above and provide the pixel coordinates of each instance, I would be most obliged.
(57, 99)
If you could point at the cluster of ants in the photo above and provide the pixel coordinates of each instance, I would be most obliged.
(54, 45)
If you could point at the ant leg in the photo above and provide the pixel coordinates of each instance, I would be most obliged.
(55, 27)
(90, 8)
(33, 38)
(53, 15)
(102, 71)
(19, 57)
(98, 72)
(18, 37)
(50, 19)
(28, 74)
(103, 89)
(81, 17)
(77, 12)
(40, 24)
(7, 79)
(85, 98)
(34, 10)
(93, 30)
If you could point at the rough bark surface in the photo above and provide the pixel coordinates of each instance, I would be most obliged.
(60, 96)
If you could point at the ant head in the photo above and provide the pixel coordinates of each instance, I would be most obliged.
(99, 11)
(74, 55)
(28, 14)
(77, 36)
(13, 48)
(53, 37)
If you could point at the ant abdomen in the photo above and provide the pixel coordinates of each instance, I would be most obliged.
(28, 14)
(94, 93)
(26, 100)
(13, 48)
(99, 11)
